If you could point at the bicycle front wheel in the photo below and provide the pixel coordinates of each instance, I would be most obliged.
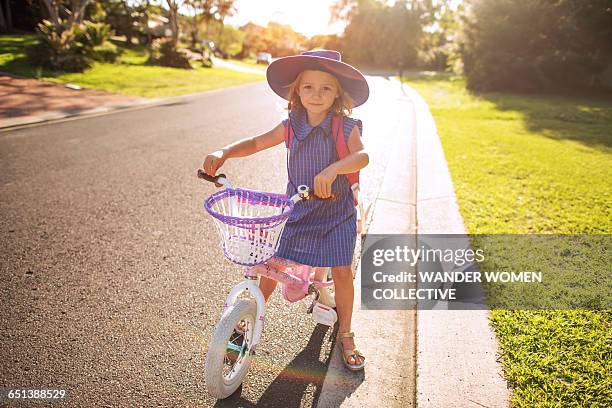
(229, 353)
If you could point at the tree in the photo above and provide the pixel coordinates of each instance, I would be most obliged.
(277, 39)
(209, 13)
(253, 41)
(225, 8)
(129, 24)
(141, 11)
(201, 13)
(230, 40)
(56, 9)
(6, 17)
(280, 40)
(173, 16)
(3, 22)
(344, 10)
(440, 26)
(200, 9)
(329, 42)
(534, 45)
(120, 16)
(381, 35)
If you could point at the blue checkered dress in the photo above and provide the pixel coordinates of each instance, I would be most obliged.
(318, 232)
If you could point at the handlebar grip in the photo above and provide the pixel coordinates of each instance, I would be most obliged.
(213, 179)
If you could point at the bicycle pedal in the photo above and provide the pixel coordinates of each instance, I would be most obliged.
(312, 304)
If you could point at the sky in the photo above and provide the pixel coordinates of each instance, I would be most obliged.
(309, 17)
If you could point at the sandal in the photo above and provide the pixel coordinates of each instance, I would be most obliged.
(346, 354)
(240, 327)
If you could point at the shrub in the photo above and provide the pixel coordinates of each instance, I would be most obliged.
(107, 52)
(74, 48)
(164, 52)
(62, 51)
(96, 36)
(207, 62)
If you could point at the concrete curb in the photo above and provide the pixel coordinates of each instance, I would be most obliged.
(457, 358)
(54, 116)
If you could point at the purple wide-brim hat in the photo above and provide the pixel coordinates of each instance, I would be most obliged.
(282, 72)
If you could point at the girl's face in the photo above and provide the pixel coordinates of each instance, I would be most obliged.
(317, 90)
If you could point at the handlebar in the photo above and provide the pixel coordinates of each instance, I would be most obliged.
(219, 180)
(303, 193)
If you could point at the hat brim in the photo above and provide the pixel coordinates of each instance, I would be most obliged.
(282, 72)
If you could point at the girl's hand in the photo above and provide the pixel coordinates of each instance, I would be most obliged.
(323, 182)
(213, 162)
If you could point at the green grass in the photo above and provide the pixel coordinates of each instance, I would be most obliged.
(525, 164)
(575, 271)
(249, 63)
(129, 75)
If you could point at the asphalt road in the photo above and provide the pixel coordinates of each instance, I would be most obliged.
(112, 279)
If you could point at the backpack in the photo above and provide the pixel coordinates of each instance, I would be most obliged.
(343, 151)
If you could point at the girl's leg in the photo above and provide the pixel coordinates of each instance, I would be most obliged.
(320, 274)
(343, 283)
(325, 296)
(267, 287)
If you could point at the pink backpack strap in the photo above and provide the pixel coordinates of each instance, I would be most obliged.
(343, 151)
(341, 146)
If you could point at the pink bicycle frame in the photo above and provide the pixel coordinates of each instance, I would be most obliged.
(295, 277)
(296, 280)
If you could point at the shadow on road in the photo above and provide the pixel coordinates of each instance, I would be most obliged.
(173, 104)
(288, 388)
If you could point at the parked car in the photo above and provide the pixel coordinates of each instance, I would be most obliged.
(264, 58)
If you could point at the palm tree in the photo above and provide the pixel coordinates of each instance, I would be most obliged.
(75, 13)
(225, 8)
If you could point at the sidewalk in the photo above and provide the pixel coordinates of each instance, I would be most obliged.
(25, 101)
(221, 63)
(457, 356)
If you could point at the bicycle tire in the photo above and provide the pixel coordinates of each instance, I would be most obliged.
(218, 384)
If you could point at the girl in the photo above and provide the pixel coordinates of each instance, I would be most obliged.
(319, 233)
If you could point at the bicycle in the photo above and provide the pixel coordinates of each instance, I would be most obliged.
(250, 224)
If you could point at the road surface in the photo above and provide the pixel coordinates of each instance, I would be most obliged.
(112, 276)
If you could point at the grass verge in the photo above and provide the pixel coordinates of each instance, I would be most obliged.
(528, 165)
(129, 75)
(249, 63)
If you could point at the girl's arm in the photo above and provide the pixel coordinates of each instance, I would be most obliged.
(355, 161)
(244, 147)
